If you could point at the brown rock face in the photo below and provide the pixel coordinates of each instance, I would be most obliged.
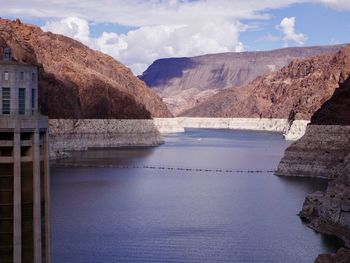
(342, 256)
(325, 151)
(296, 91)
(185, 82)
(77, 82)
(335, 111)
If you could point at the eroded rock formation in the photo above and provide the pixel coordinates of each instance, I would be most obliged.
(296, 91)
(186, 82)
(77, 82)
(325, 151)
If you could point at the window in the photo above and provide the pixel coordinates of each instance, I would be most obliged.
(6, 76)
(22, 75)
(33, 77)
(6, 98)
(21, 100)
(33, 98)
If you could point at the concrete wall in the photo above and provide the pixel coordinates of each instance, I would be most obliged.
(20, 76)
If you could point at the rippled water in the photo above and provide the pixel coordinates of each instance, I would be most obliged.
(141, 215)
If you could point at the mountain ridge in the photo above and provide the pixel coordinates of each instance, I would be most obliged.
(296, 91)
(88, 83)
(188, 81)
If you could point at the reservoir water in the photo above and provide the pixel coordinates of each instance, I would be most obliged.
(104, 214)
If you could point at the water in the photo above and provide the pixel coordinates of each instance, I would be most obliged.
(108, 215)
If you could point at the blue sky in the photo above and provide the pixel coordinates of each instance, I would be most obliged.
(322, 26)
(137, 32)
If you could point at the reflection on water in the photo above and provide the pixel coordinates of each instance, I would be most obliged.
(131, 215)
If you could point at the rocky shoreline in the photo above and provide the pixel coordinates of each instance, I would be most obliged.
(319, 153)
(324, 151)
(80, 134)
(291, 130)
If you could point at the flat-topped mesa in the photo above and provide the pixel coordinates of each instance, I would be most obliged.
(296, 91)
(76, 81)
(186, 82)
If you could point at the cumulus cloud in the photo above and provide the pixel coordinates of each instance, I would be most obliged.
(73, 27)
(287, 27)
(138, 48)
(163, 27)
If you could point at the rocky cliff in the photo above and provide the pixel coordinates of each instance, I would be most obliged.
(186, 82)
(77, 82)
(296, 91)
(325, 151)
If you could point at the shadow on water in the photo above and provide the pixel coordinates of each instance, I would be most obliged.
(332, 242)
(107, 156)
(307, 184)
(310, 185)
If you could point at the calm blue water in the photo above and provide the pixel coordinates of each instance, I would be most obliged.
(138, 215)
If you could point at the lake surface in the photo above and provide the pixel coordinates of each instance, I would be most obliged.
(107, 215)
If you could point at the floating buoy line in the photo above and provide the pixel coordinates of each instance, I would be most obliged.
(151, 167)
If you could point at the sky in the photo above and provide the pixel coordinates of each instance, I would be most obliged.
(137, 32)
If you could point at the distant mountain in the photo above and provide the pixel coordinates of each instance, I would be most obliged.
(77, 82)
(296, 91)
(185, 82)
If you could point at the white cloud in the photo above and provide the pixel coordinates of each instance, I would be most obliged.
(341, 5)
(71, 27)
(138, 48)
(164, 27)
(287, 27)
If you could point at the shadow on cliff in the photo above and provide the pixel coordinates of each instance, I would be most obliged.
(335, 111)
(164, 70)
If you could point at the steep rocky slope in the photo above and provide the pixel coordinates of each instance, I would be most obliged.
(295, 91)
(77, 82)
(186, 82)
(324, 151)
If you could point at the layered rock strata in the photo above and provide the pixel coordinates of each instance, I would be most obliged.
(168, 125)
(186, 82)
(324, 151)
(290, 130)
(79, 135)
(295, 92)
(319, 153)
(329, 212)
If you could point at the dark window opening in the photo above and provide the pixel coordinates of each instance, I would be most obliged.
(6, 100)
(33, 98)
(21, 100)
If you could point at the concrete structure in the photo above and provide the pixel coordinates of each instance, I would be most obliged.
(24, 167)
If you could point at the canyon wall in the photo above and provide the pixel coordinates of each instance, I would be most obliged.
(76, 82)
(186, 82)
(291, 130)
(319, 153)
(78, 135)
(294, 92)
(324, 151)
